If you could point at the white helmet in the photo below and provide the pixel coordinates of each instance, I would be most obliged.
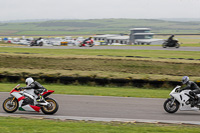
(29, 81)
(185, 79)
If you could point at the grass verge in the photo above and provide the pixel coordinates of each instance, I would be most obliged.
(19, 125)
(105, 52)
(98, 90)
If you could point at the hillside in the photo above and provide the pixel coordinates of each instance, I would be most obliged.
(97, 26)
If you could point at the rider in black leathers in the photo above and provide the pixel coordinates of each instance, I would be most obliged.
(190, 85)
(170, 40)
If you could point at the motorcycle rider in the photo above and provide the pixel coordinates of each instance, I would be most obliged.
(38, 88)
(190, 85)
(88, 39)
(170, 40)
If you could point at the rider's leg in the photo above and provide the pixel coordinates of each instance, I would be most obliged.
(40, 97)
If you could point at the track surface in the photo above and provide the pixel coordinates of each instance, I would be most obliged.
(112, 107)
(119, 47)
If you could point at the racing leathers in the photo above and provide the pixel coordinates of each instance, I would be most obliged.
(87, 40)
(190, 85)
(38, 89)
(170, 40)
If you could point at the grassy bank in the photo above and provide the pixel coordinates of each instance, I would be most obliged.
(19, 125)
(87, 63)
(95, 66)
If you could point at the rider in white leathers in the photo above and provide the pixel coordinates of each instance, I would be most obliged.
(38, 88)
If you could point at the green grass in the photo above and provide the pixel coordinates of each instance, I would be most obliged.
(98, 90)
(19, 125)
(78, 61)
(106, 52)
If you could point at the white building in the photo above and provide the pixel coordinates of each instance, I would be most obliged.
(137, 36)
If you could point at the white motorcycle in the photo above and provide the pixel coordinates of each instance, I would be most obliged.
(180, 100)
(25, 100)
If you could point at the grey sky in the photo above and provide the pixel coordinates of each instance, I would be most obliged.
(88, 9)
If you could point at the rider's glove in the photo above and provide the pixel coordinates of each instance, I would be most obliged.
(20, 88)
(179, 90)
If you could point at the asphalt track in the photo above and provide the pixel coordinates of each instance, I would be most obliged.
(134, 47)
(104, 108)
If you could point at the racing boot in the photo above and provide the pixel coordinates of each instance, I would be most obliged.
(195, 101)
(40, 99)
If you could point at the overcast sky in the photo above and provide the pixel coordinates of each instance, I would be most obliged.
(89, 9)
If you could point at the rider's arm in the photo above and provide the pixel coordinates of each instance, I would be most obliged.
(185, 88)
(188, 87)
(31, 86)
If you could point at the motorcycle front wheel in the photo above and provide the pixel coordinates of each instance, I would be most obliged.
(10, 105)
(51, 108)
(169, 107)
(177, 45)
(164, 45)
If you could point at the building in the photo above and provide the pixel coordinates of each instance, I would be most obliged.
(111, 39)
(137, 36)
(140, 33)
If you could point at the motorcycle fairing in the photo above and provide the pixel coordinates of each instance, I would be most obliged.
(30, 108)
(182, 99)
(27, 107)
(46, 93)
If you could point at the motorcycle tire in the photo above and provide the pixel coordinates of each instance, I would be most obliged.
(171, 109)
(41, 44)
(164, 45)
(91, 45)
(177, 45)
(53, 108)
(80, 45)
(31, 44)
(8, 107)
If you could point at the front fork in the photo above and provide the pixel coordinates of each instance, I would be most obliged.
(11, 102)
(173, 100)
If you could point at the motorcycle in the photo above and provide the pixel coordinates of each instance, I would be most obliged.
(37, 42)
(89, 43)
(25, 100)
(181, 100)
(173, 43)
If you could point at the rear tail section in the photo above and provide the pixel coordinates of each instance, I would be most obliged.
(46, 93)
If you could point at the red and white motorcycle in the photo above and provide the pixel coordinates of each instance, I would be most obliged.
(25, 100)
(89, 43)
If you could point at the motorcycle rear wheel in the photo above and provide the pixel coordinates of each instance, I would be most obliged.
(40, 43)
(171, 108)
(10, 105)
(91, 45)
(52, 108)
